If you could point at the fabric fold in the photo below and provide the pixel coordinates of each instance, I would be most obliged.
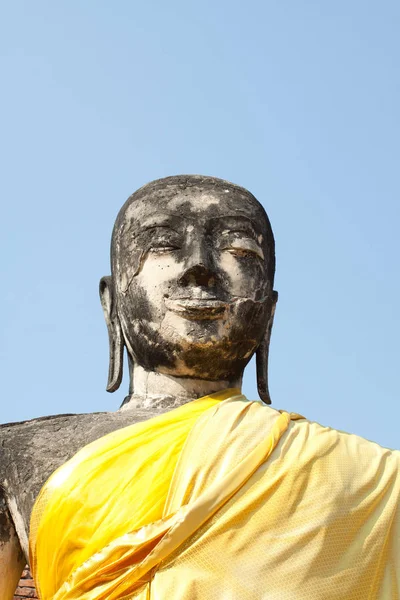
(109, 489)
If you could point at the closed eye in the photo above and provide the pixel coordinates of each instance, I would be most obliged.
(159, 249)
(242, 247)
(161, 240)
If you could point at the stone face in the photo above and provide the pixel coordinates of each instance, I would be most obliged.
(192, 274)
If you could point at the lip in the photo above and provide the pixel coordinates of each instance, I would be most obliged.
(197, 308)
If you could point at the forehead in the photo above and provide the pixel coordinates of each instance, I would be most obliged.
(196, 205)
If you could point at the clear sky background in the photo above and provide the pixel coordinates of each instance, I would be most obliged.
(296, 100)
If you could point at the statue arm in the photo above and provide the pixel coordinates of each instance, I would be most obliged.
(12, 559)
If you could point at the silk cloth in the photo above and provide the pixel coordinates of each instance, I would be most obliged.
(221, 499)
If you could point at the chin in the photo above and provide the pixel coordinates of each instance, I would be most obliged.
(211, 359)
(202, 349)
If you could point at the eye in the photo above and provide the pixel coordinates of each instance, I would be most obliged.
(163, 245)
(243, 247)
(240, 252)
(162, 248)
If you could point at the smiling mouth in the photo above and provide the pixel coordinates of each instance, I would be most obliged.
(197, 309)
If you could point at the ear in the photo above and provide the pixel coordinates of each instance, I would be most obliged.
(116, 341)
(262, 354)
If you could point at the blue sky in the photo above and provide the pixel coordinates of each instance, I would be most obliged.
(297, 101)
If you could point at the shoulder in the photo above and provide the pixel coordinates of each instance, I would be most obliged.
(353, 443)
(47, 442)
(28, 444)
(352, 459)
(30, 451)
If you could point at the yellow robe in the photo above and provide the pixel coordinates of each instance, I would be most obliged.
(221, 499)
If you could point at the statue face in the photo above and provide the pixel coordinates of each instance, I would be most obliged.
(193, 296)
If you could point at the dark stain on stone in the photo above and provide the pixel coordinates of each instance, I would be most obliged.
(5, 522)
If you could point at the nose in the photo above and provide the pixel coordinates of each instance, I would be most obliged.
(199, 268)
(198, 275)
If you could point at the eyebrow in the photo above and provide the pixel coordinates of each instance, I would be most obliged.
(236, 223)
(154, 221)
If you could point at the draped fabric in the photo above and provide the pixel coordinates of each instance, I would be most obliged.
(111, 487)
(221, 499)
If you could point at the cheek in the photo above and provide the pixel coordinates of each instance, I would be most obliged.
(149, 287)
(246, 276)
(159, 272)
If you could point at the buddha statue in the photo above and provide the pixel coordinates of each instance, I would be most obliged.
(190, 490)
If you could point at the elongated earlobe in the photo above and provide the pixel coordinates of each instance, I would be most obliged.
(262, 355)
(115, 337)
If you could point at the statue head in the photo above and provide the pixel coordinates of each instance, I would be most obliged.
(191, 287)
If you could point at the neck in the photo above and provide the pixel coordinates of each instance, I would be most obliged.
(157, 390)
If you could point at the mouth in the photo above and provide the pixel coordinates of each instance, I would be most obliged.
(197, 309)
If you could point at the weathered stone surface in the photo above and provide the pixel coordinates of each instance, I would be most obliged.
(31, 451)
(193, 262)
